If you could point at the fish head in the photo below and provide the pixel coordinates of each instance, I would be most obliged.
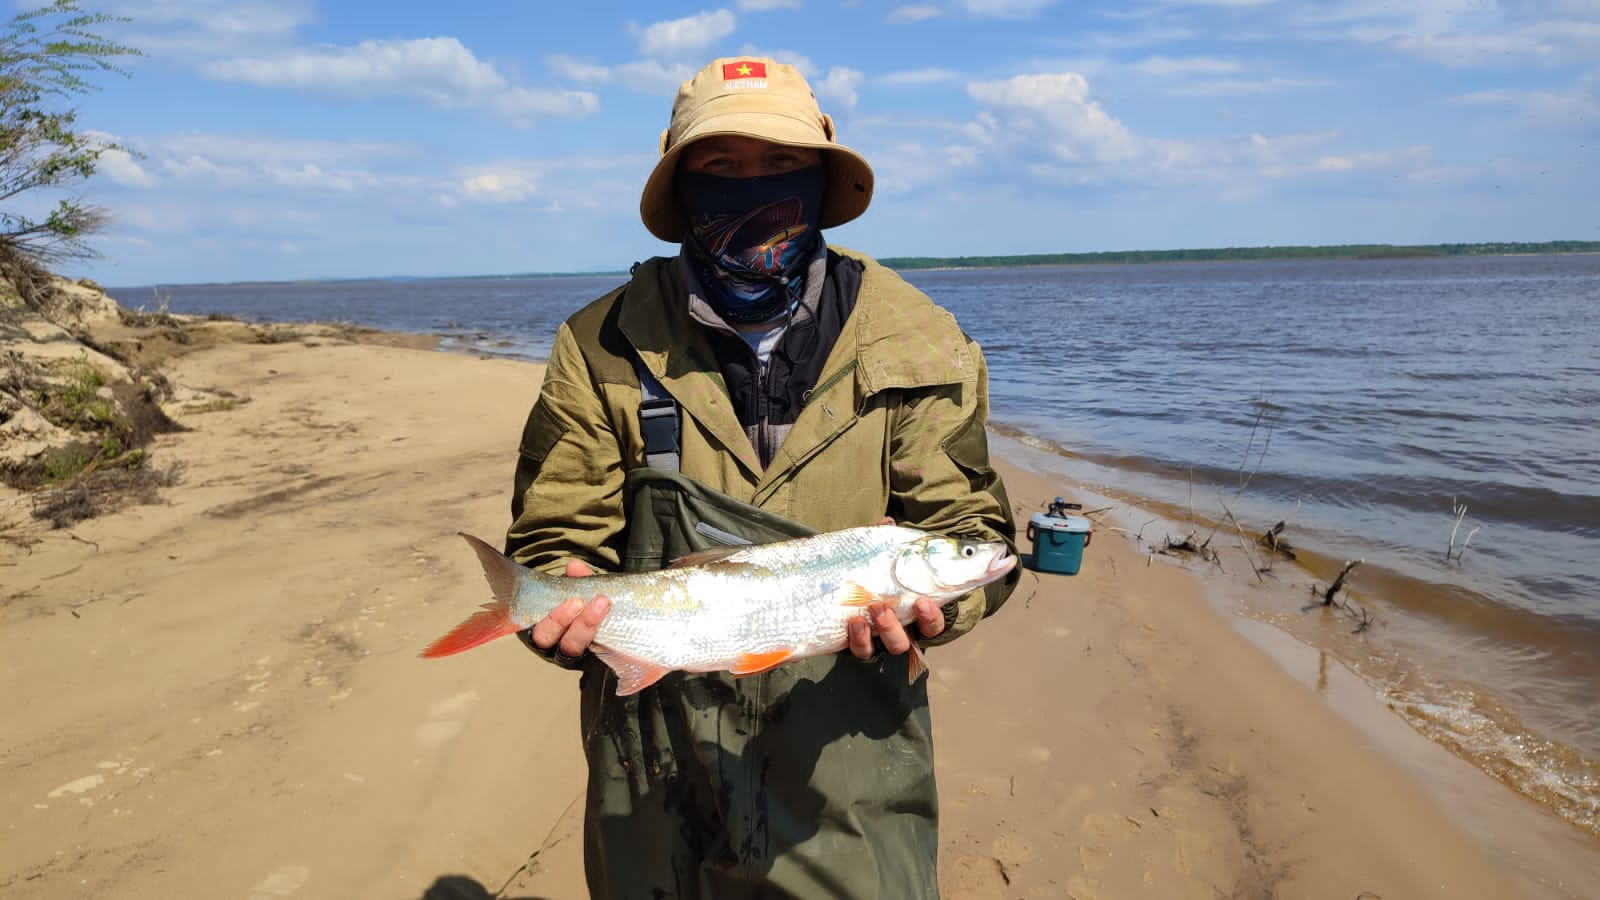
(944, 567)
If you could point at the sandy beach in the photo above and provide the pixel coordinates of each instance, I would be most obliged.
(219, 695)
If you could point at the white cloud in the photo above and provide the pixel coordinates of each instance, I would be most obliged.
(255, 17)
(500, 184)
(1239, 87)
(1284, 156)
(119, 165)
(652, 77)
(902, 15)
(916, 77)
(690, 36)
(1005, 9)
(1053, 112)
(1574, 108)
(574, 69)
(438, 70)
(1403, 158)
(1484, 35)
(207, 28)
(839, 85)
(257, 163)
(1169, 67)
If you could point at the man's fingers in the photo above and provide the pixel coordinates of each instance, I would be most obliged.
(930, 618)
(859, 634)
(577, 568)
(548, 630)
(580, 633)
(890, 631)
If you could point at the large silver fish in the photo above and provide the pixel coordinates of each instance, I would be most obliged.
(743, 610)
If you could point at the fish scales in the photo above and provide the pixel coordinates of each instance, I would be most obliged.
(743, 609)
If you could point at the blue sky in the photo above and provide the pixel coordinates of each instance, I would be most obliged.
(302, 139)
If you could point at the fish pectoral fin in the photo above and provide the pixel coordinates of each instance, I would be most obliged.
(853, 594)
(633, 674)
(756, 663)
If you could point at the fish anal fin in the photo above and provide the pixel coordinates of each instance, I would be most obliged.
(633, 674)
(756, 663)
(853, 594)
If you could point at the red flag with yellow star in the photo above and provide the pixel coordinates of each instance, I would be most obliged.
(739, 71)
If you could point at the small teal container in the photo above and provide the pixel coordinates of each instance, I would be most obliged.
(1059, 540)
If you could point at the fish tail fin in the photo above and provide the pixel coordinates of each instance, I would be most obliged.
(499, 570)
(495, 619)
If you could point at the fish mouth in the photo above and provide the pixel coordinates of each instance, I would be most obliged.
(1002, 562)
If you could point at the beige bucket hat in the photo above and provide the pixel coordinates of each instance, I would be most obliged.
(760, 98)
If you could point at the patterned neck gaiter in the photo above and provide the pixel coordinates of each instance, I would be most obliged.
(751, 238)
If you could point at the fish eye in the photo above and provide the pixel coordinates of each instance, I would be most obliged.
(969, 551)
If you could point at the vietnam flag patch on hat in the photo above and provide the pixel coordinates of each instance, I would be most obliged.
(744, 70)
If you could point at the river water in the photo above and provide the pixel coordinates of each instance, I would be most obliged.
(1434, 418)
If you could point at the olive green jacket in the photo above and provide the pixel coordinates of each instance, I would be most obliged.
(895, 426)
(814, 779)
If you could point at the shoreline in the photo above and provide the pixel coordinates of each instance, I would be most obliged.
(1498, 747)
(1520, 830)
(250, 676)
(1431, 671)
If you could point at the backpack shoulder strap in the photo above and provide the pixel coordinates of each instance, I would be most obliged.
(658, 421)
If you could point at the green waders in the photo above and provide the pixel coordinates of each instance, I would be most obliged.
(812, 780)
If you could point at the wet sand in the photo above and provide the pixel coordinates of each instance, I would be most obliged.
(219, 695)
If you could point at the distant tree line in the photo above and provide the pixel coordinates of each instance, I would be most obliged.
(1341, 251)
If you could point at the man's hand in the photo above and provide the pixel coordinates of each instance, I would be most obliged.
(880, 618)
(570, 627)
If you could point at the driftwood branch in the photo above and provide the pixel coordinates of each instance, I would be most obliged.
(1273, 540)
(1338, 583)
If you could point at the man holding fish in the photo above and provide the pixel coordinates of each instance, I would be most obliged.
(753, 718)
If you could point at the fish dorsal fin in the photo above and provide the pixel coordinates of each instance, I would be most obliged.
(702, 557)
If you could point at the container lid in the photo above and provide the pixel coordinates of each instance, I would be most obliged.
(1073, 524)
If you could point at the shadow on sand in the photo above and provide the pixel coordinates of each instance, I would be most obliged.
(462, 887)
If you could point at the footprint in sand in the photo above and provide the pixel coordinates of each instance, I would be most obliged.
(285, 882)
(77, 786)
(442, 723)
(81, 788)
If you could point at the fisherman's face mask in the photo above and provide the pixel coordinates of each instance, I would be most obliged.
(752, 238)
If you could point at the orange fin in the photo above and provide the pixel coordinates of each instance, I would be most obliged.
(856, 595)
(916, 665)
(756, 663)
(633, 674)
(493, 621)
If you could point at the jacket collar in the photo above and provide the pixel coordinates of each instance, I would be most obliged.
(895, 339)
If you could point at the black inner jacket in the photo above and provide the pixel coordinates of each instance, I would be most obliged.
(768, 405)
